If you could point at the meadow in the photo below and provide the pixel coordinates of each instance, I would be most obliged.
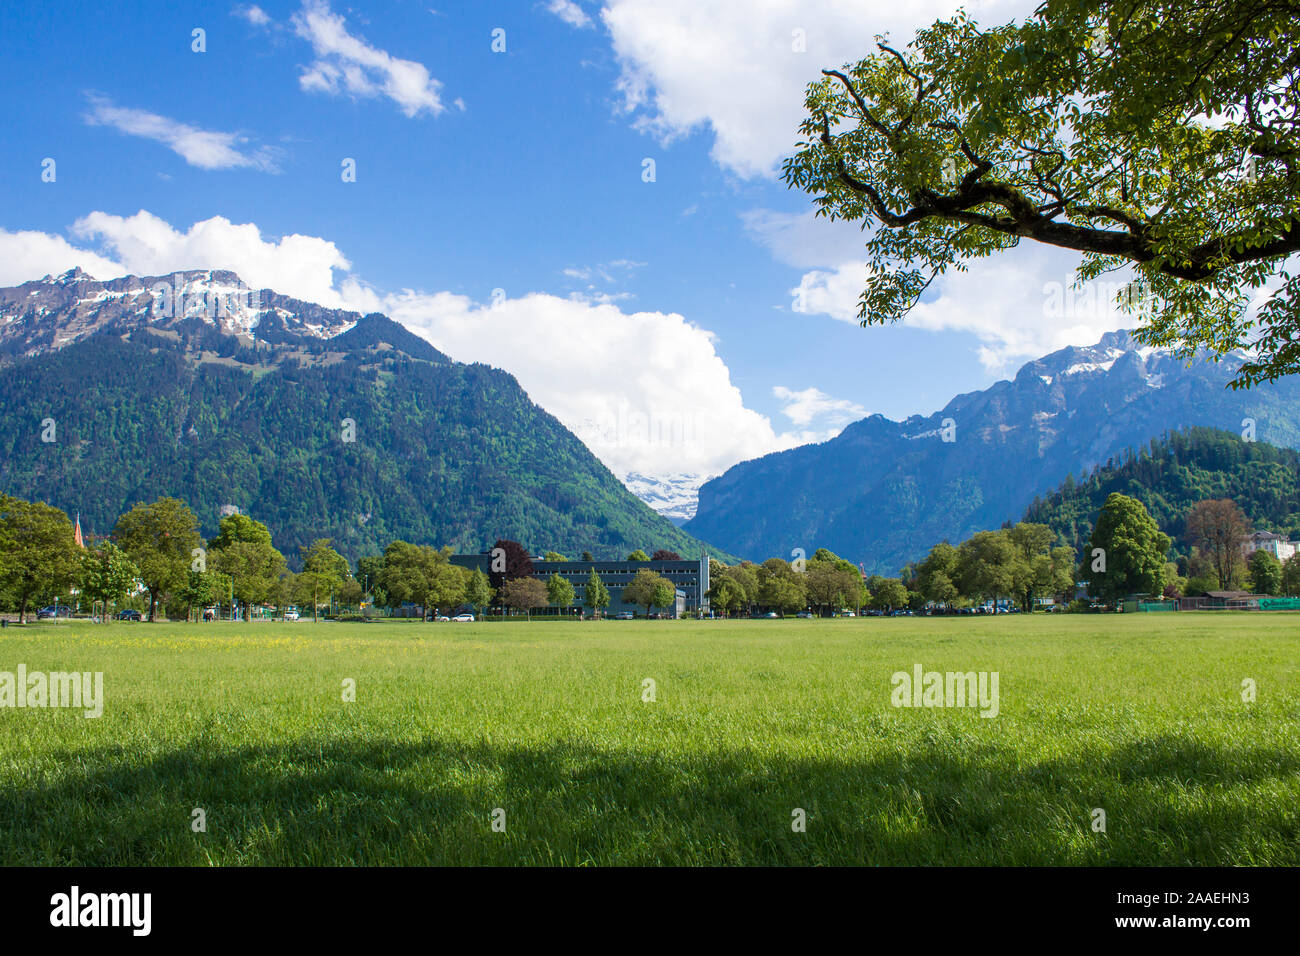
(1141, 716)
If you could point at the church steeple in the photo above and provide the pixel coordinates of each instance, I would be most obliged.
(76, 532)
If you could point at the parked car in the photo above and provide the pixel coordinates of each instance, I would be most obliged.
(441, 617)
(291, 615)
(623, 616)
(46, 613)
(804, 614)
(129, 615)
(464, 618)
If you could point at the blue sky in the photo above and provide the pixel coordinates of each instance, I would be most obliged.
(659, 319)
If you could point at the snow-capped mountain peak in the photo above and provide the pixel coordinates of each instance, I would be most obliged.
(56, 311)
(673, 496)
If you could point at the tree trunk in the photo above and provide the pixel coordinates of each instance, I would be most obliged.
(22, 610)
(153, 603)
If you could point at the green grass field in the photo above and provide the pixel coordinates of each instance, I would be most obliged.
(1139, 715)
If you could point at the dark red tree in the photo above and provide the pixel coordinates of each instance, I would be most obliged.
(518, 563)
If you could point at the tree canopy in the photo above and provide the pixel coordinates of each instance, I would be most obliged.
(559, 591)
(650, 590)
(478, 591)
(1265, 573)
(780, 587)
(1218, 527)
(106, 574)
(1291, 576)
(510, 560)
(242, 550)
(1127, 552)
(1150, 135)
(425, 576)
(37, 551)
(162, 539)
(595, 594)
(524, 594)
(831, 583)
(323, 571)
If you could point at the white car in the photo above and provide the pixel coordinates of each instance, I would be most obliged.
(442, 617)
(463, 618)
(291, 615)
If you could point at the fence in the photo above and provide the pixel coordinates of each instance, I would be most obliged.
(1279, 604)
(1157, 605)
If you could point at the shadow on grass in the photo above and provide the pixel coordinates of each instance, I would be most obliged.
(368, 801)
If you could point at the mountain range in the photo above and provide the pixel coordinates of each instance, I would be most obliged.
(882, 492)
(319, 422)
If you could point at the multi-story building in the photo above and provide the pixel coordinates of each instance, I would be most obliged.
(1275, 544)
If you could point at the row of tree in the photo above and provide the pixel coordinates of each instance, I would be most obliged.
(825, 580)
(1021, 562)
(1127, 554)
(156, 549)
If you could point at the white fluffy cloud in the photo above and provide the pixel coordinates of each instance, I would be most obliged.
(206, 149)
(253, 14)
(27, 255)
(647, 391)
(348, 64)
(143, 244)
(736, 66)
(1023, 305)
(812, 405)
(834, 293)
(1019, 305)
(570, 13)
(802, 240)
